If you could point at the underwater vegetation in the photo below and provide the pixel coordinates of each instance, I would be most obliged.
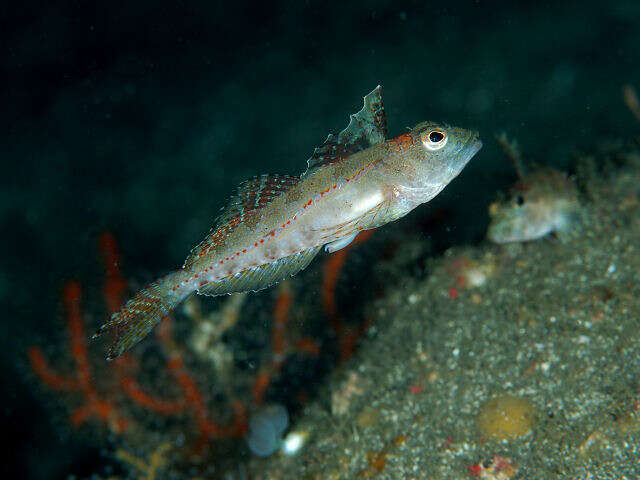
(104, 407)
(165, 411)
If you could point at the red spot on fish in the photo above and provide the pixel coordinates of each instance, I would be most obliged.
(403, 142)
(453, 292)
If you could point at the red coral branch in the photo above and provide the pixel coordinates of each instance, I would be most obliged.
(157, 405)
(193, 399)
(347, 337)
(280, 343)
(94, 406)
(190, 401)
(114, 285)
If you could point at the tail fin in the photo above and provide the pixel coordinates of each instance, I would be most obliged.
(141, 314)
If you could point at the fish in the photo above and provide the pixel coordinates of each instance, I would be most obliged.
(543, 201)
(274, 225)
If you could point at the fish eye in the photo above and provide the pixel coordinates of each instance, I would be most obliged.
(436, 136)
(434, 139)
(519, 200)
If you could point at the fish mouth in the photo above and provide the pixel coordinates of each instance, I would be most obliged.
(473, 146)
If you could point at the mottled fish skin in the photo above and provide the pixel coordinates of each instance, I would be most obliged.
(275, 225)
(542, 202)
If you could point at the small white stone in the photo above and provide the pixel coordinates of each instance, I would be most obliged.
(293, 442)
(413, 298)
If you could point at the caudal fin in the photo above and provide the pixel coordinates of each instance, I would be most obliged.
(141, 314)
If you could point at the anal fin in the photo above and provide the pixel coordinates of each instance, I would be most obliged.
(262, 276)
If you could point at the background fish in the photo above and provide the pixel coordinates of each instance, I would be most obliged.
(275, 224)
(541, 202)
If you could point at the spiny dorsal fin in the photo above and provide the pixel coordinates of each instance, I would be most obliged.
(512, 150)
(366, 128)
(251, 196)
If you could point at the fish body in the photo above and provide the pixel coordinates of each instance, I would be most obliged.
(275, 224)
(542, 202)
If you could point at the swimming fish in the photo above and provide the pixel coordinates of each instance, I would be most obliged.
(275, 225)
(543, 201)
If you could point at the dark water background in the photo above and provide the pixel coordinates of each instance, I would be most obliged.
(140, 117)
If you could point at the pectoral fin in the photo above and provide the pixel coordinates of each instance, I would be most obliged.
(339, 244)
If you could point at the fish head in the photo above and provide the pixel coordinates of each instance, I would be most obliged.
(516, 220)
(537, 205)
(438, 154)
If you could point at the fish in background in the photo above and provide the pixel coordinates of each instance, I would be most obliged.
(543, 201)
(275, 225)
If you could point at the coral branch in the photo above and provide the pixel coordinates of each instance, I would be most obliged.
(280, 343)
(150, 468)
(71, 297)
(193, 400)
(190, 399)
(50, 378)
(630, 97)
(280, 320)
(332, 269)
(157, 405)
(94, 406)
(114, 285)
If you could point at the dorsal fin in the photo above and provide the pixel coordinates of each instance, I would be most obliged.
(366, 128)
(251, 196)
(512, 150)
